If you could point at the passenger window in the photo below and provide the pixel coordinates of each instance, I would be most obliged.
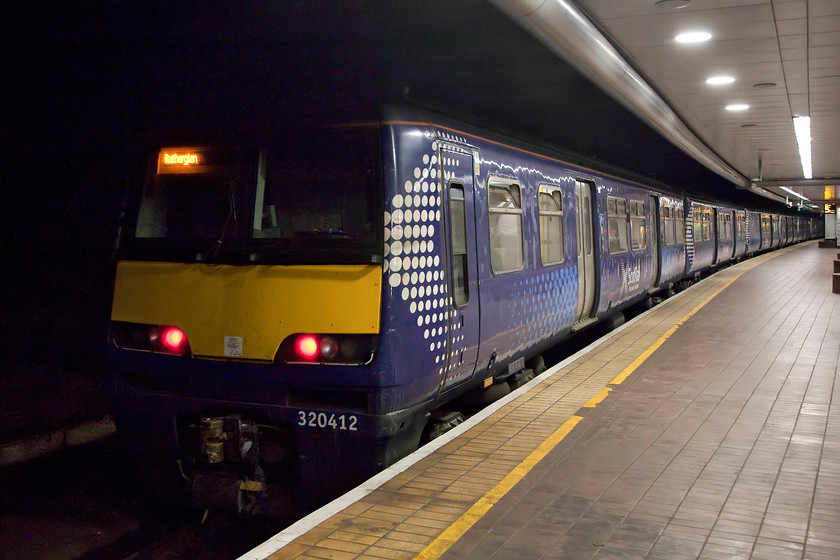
(617, 224)
(638, 225)
(505, 208)
(551, 225)
(458, 238)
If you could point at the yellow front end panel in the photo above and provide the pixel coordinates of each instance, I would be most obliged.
(253, 307)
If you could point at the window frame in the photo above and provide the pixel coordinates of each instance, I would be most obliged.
(550, 191)
(636, 212)
(506, 184)
(458, 253)
(615, 216)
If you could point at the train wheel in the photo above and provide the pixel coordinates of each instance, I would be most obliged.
(537, 363)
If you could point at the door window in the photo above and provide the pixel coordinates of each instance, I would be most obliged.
(458, 229)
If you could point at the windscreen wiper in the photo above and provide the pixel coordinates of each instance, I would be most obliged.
(233, 217)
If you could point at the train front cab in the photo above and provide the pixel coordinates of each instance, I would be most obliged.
(249, 362)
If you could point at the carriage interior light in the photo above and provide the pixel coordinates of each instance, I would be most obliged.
(793, 192)
(802, 128)
(737, 107)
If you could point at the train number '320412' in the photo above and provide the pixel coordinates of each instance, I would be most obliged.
(328, 420)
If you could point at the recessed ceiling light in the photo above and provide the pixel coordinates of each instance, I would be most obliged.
(673, 4)
(720, 80)
(737, 107)
(693, 37)
(764, 85)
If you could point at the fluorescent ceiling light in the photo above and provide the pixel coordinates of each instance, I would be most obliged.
(794, 193)
(693, 37)
(720, 80)
(802, 127)
(737, 107)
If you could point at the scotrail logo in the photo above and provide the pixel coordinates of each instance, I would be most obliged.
(631, 276)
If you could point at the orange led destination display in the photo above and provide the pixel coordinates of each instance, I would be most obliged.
(183, 160)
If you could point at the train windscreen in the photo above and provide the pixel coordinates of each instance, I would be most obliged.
(308, 199)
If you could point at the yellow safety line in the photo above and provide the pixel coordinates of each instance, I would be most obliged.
(452, 533)
(599, 396)
(455, 531)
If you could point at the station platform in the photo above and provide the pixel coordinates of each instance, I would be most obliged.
(704, 428)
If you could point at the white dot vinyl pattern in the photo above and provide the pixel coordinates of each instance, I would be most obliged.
(412, 264)
(542, 303)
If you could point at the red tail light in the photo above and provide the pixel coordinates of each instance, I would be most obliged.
(337, 349)
(307, 347)
(173, 339)
(149, 338)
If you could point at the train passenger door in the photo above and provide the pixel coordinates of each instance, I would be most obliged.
(654, 244)
(459, 305)
(585, 251)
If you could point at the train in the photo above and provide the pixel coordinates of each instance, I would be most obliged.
(290, 318)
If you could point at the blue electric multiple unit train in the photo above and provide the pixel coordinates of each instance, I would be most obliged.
(289, 320)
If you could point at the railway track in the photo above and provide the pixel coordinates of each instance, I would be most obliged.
(80, 504)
